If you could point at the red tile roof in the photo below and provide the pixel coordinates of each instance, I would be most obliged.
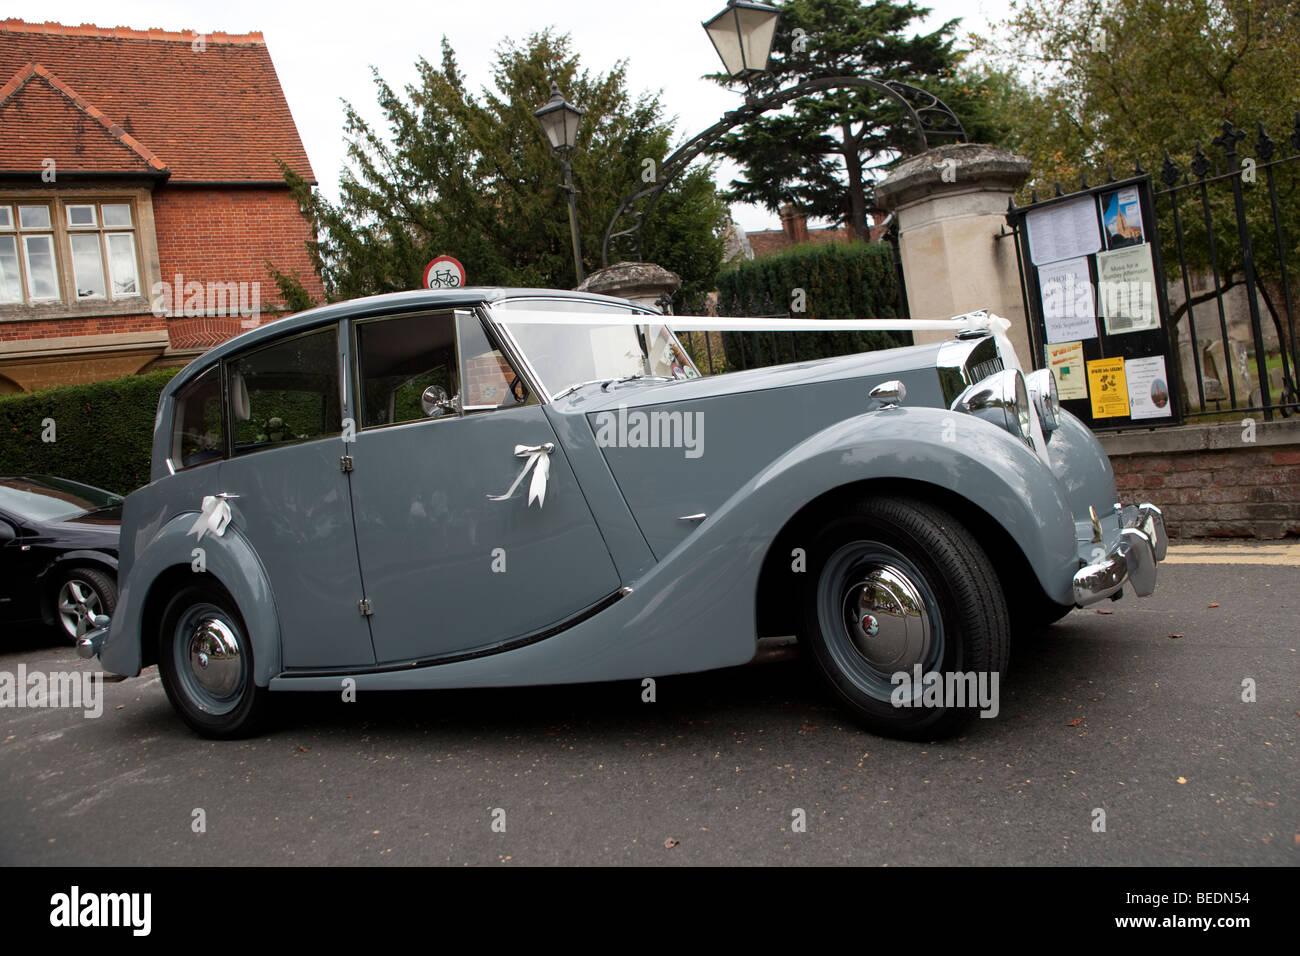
(209, 112)
(42, 118)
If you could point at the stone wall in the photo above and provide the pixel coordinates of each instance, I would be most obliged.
(1239, 480)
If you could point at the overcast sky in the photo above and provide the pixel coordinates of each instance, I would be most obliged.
(323, 51)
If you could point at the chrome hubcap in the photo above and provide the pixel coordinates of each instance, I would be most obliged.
(214, 657)
(886, 619)
(78, 604)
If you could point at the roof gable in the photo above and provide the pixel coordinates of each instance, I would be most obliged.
(44, 118)
(208, 112)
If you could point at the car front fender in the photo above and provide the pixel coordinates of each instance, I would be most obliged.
(162, 563)
(966, 456)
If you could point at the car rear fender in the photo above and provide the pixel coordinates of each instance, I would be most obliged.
(161, 568)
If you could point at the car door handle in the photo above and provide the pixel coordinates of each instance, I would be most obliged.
(539, 461)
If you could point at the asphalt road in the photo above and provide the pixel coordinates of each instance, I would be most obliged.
(1101, 711)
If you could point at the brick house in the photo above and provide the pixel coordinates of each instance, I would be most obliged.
(140, 198)
(794, 231)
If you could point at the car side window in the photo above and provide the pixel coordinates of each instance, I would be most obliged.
(490, 380)
(198, 435)
(285, 392)
(408, 369)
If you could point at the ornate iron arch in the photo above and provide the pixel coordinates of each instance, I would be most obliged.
(930, 116)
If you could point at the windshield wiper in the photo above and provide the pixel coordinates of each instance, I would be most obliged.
(633, 378)
(605, 383)
(577, 385)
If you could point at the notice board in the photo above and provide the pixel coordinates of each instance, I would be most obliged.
(1095, 294)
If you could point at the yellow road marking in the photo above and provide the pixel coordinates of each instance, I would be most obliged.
(1278, 555)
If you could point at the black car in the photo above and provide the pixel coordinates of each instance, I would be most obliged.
(58, 552)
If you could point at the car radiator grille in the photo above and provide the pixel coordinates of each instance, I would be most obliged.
(983, 361)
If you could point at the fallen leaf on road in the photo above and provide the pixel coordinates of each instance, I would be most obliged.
(1102, 610)
(304, 750)
(1214, 604)
(1174, 637)
(1075, 723)
(670, 843)
(1182, 779)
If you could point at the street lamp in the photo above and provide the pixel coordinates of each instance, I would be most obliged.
(560, 124)
(742, 34)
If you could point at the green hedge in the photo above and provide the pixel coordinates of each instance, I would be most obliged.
(103, 431)
(855, 280)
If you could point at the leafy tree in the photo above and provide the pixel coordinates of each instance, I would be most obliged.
(824, 150)
(1122, 80)
(472, 175)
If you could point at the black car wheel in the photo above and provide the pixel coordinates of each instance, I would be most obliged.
(206, 661)
(895, 585)
(82, 594)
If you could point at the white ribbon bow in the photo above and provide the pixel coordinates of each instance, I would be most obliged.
(540, 457)
(214, 517)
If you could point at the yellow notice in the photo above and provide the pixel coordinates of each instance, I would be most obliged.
(1107, 388)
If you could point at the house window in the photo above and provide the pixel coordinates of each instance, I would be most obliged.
(93, 242)
(35, 246)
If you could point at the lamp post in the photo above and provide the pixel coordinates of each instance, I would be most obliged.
(742, 35)
(560, 124)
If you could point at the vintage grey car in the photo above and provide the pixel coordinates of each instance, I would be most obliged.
(490, 487)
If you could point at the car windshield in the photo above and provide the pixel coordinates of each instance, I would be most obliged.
(52, 499)
(568, 355)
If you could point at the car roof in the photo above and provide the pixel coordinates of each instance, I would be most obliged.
(376, 305)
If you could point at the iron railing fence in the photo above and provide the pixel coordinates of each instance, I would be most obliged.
(1250, 245)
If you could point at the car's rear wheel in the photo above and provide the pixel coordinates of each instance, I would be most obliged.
(897, 586)
(206, 661)
(83, 593)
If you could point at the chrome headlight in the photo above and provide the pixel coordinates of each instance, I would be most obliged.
(1002, 399)
(1042, 389)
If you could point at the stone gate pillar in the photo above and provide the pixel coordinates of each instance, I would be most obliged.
(642, 282)
(951, 202)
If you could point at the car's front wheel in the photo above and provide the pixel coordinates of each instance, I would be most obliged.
(905, 618)
(206, 661)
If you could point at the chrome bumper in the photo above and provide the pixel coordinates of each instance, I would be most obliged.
(89, 645)
(1142, 543)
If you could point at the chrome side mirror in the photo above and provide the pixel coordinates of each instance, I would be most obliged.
(889, 394)
(435, 403)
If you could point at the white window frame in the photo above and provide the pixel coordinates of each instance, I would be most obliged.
(87, 233)
(62, 233)
(28, 237)
(108, 264)
(94, 215)
(18, 259)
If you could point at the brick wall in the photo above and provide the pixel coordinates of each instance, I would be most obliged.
(92, 325)
(206, 235)
(1210, 480)
(487, 379)
(229, 234)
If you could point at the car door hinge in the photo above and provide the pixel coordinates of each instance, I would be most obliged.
(345, 463)
(364, 607)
